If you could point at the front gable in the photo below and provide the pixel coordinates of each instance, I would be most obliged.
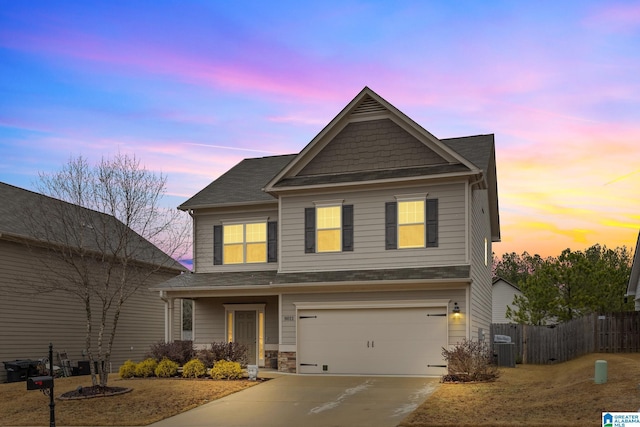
(371, 145)
(370, 135)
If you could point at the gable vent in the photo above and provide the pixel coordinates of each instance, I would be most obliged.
(369, 106)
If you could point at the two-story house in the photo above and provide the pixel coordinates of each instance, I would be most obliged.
(366, 253)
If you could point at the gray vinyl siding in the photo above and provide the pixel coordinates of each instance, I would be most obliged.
(502, 296)
(209, 322)
(29, 321)
(481, 304)
(457, 328)
(203, 240)
(369, 231)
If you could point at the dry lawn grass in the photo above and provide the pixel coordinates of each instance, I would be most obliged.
(151, 400)
(537, 395)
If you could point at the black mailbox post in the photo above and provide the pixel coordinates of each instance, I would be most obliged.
(40, 383)
(45, 384)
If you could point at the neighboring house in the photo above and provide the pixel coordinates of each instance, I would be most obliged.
(633, 288)
(502, 294)
(351, 257)
(30, 320)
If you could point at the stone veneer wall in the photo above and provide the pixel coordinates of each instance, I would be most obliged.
(287, 361)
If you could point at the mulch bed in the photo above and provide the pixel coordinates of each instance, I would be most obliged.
(93, 391)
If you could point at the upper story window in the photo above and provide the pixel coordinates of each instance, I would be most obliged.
(411, 223)
(253, 242)
(328, 228)
(245, 243)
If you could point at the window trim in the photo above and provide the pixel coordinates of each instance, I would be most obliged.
(423, 223)
(346, 229)
(270, 242)
(431, 221)
(333, 229)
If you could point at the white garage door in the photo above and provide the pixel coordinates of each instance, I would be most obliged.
(382, 341)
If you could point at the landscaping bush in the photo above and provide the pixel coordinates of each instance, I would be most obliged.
(206, 356)
(128, 369)
(226, 370)
(178, 351)
(146, 368)
(166, 368)
(470, 361)
(194, 369)
(231, 352)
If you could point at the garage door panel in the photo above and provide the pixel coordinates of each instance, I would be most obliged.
(395, 341)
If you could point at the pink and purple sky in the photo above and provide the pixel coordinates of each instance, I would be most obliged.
(193, 87)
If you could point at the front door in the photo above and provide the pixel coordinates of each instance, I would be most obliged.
(245, 333)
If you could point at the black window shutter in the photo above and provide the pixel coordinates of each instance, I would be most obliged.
(272, 241)
(432, 223)
(309, 230)
(217, 245)
(347, 228)
(391, 225)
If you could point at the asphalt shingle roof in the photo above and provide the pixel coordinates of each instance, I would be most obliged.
(18, 204)
(244, 182)
(476, 149)
(369, 175)
(272, 277)
(241, 184)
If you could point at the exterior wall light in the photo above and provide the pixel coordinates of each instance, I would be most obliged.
(456, 309)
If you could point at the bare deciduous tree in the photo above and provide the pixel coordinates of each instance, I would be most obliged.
(102, 241)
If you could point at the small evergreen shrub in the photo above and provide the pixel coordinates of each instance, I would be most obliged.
(178, 351)
(194, 369)
(470, 361)
(224, 369)
(166, 368)
(146, 368)
(231, 352)
(128, 369)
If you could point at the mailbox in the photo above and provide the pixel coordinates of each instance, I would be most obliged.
(39, 383)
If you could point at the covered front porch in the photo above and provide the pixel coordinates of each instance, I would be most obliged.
(248, 320)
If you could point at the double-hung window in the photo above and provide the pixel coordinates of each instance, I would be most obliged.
(411, 223)
(245, 243)
(411, 220)
(252, 242)
(328, 227)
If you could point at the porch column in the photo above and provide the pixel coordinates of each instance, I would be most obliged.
(168, 319)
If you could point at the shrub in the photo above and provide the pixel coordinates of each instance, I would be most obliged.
(178, 351)
(128, 369)
(207, 357)
(231, 352)
(194, 369)
(146, 368)
(470, 361)
(224, 369)
(166, 368)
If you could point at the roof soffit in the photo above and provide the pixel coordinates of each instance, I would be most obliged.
(366, 106)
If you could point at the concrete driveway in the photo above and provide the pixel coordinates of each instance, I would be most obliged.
(310, 401)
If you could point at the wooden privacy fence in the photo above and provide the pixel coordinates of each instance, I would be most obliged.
(602, 333)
